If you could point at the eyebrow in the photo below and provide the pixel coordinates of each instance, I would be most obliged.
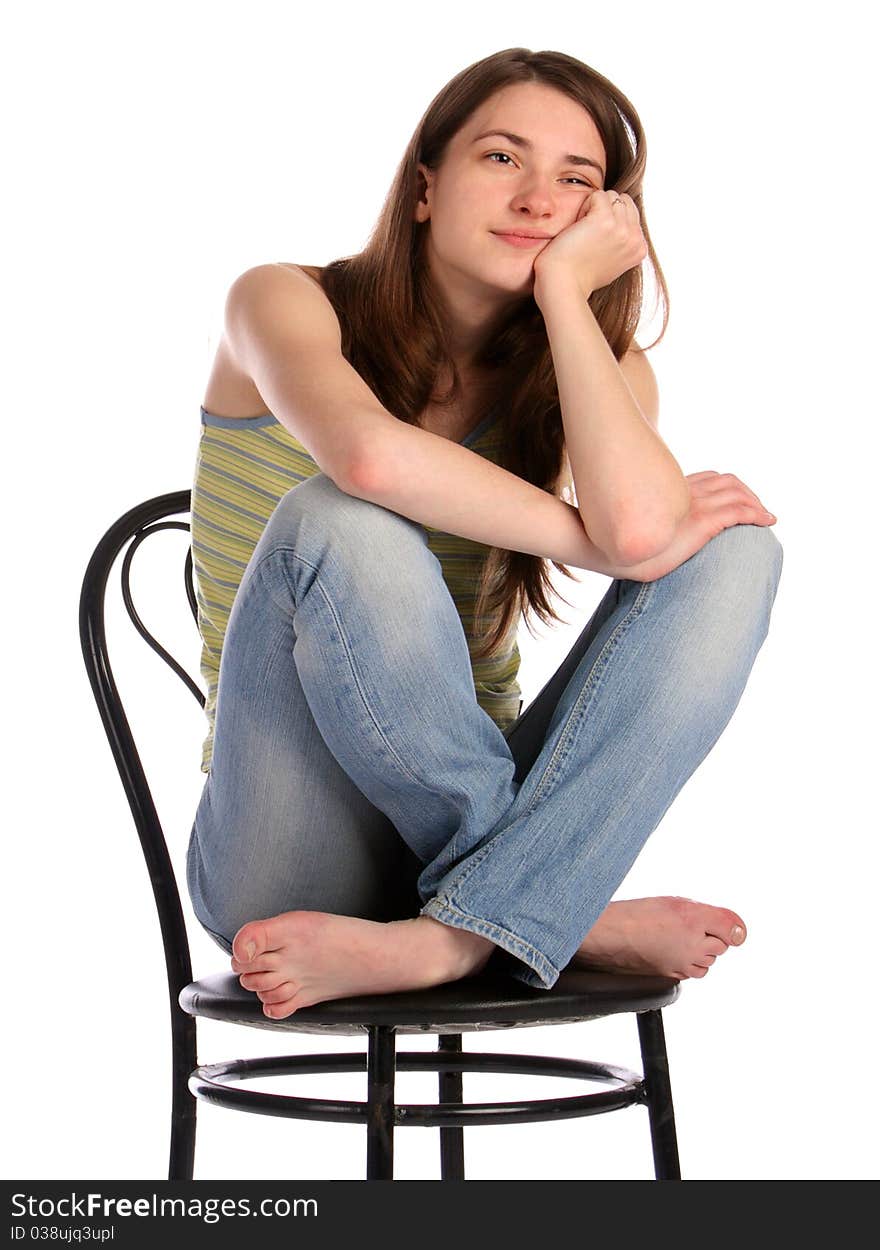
(519, 141)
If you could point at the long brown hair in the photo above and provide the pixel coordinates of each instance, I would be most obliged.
(393, 322)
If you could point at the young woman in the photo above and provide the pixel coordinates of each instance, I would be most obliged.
(385, 447)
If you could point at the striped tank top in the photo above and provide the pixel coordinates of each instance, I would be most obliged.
(243, 467)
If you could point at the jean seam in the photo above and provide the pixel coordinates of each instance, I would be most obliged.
(473, 861)
(421, 781)
(575, 715)
(587, 694)
(502, 937)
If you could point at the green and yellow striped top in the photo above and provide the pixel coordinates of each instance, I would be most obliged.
(243, 467)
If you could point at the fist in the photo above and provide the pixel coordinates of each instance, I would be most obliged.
(605, 241)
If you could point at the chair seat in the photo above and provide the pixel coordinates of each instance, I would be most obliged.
(490, 1000)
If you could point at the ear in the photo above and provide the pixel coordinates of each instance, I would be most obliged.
(425, 180)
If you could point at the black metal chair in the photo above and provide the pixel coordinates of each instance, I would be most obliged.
(490, 1000)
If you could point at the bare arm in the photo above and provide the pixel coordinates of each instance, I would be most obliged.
(440, 483)
(630, 488)
(283, 333)
(436, 482)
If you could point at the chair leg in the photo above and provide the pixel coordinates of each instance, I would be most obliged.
(183, 1103)
(658, 1091)
(380, 1103)
(451, 1139)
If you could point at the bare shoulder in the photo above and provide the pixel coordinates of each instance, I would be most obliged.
(285, 339)
(313, 272)
(279, 276)
(265, 302)
(277, 299)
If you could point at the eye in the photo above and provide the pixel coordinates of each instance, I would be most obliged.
(580, 181)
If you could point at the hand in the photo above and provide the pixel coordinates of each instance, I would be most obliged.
(601, 244)
(718, 502)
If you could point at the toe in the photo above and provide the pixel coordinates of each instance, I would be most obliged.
(727, 926)
(696, 970)
(714, 945)
(260, 982)
(278, 1011)
(250, 942)
(267, 962)
(279, 994)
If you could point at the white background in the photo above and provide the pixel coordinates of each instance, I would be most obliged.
(158, 151)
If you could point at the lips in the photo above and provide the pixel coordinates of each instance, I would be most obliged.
(521, 240)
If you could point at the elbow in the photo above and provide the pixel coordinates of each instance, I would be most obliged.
(640, 542)
(635, 546)
(635, 549)
(375, 462)
(359, 476)
(340, 475)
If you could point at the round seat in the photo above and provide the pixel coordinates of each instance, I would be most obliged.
(490, 1000)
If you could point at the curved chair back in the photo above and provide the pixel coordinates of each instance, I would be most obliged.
(585, 996)
(132, 529)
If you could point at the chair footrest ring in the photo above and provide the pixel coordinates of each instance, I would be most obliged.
(211, 1083)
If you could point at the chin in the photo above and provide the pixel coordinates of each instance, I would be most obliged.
(516, 276)
(503, 281)
(519, 284)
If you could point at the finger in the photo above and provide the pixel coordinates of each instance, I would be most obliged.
(728, 482)
(626, 200)
(704, 473)
(735, 510)
(738, 484)
(759, 503)
(727, 492)
(709, 483)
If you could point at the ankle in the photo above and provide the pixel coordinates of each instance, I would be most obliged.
(449, 951)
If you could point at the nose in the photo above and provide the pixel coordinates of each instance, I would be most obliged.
(536, 196)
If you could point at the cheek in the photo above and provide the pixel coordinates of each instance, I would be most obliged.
(463, 196)
(462, 220)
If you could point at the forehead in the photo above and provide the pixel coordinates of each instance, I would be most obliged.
(548, 117)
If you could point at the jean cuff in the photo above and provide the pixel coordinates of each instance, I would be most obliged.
(533, 968)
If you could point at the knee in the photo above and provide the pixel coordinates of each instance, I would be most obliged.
(747, 559)
(318, 494)
(755, 546)
(318, 507)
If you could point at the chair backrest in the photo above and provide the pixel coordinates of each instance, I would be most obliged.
(132, 528)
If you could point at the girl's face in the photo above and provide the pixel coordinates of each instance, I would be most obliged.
(488, 183)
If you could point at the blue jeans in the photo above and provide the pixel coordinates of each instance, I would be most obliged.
(354, 772)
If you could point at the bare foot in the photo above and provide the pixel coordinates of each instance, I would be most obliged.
(669, 936)
(300, 958)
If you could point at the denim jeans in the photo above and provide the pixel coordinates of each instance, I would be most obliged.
(354, 772)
